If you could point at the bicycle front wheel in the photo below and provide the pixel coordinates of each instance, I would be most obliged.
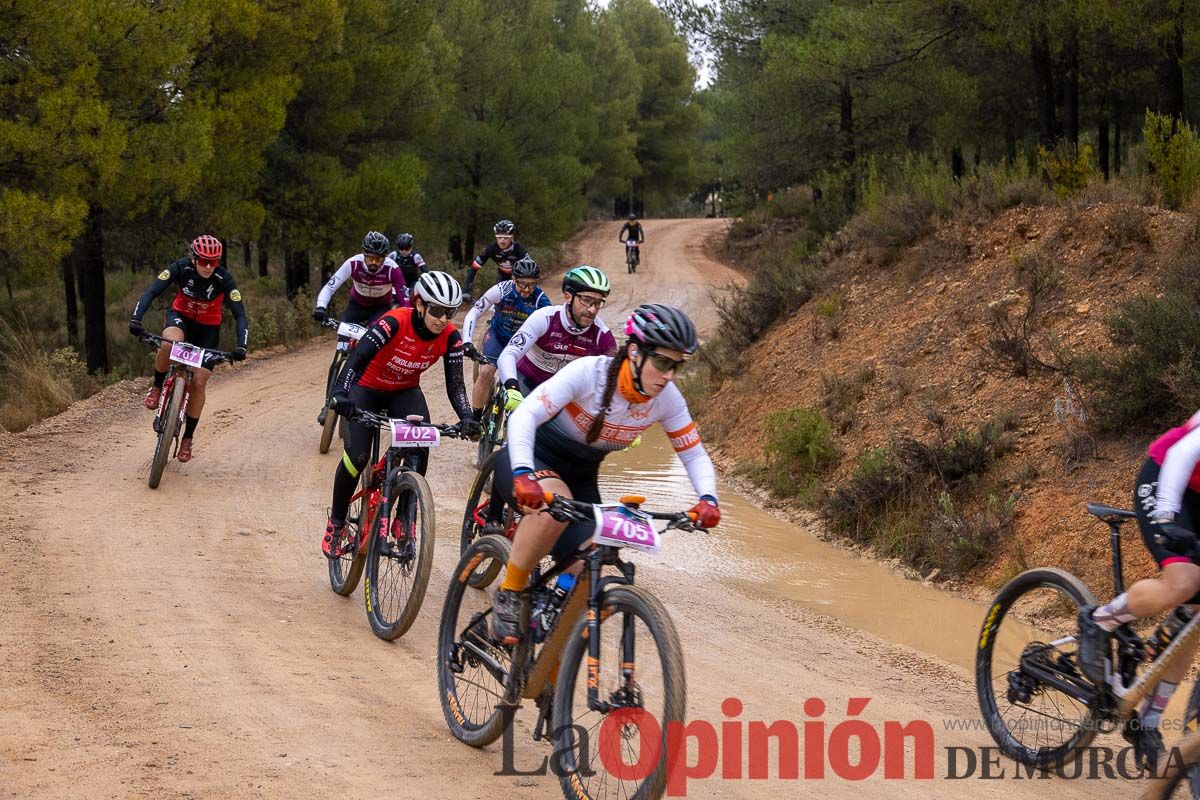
(620, 753)
(167, 432)
(1034, 619)
(477, 518)
(331, 417)
(400, 556)
(472, 666)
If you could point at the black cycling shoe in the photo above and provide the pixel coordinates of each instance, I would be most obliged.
(1094, 647)
(1149, 752)
(505, 606)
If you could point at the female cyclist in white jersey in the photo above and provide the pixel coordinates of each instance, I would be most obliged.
(560, 434)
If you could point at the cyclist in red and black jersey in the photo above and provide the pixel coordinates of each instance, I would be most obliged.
(383, 375)
(194, 317)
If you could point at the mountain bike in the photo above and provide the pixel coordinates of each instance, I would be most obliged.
(1027, 676)
(348, 335)
(173, 400)
(482, 682)
(633, 254)
(390, 526)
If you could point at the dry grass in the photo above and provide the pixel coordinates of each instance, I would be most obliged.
(36, 383)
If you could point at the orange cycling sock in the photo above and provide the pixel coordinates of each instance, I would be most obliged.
(515, 578)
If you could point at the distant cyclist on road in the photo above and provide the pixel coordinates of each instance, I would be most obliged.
(632, 230)
(505, 251)
(194, 317)
(513, 301)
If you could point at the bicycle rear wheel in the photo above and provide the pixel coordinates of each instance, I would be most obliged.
(400, 556)
(621, 753)
(168, 430)
(346, 570)
(1034, 618)
(472, 667)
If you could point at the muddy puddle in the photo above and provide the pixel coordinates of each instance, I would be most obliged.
(764, 555)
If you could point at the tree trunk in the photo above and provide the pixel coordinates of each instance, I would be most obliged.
(1071, 91)
(68, 272)
(246, 254)
(1102, 146)
(224, 253)
(8, 286)
(1043, 70)
(846, 131)
(1116, 145)
(1170, 69)
(297, 272)
(958, 165)
(263, 255)
(89, 260)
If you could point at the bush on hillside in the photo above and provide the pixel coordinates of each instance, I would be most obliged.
(1173, 149)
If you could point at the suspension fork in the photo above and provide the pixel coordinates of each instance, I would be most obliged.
(593, 631)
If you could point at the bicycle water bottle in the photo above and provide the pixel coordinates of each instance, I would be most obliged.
(562, 588)
(1167, 631)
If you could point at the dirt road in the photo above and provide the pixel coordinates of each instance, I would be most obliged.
(184, 642)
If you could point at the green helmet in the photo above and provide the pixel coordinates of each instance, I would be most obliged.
(586, 279)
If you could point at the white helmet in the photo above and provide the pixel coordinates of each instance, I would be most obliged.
(440, 288)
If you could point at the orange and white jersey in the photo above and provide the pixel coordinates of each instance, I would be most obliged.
(562, 410)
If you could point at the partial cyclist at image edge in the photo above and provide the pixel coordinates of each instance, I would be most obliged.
(1166, 499)
(383, 375)
(560, 435)
(194, 317)
(412, 264)
(512, 302)
(554, 336)
(376, 285)
(504, 251)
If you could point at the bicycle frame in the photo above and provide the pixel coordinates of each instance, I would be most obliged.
(1128, 697)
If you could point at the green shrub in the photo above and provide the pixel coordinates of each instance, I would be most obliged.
(900, 499)
(1173, 150)
(799, 444)
(1068, 168)
(781, 284)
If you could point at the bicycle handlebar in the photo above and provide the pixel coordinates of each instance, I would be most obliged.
(376, 420)
(154, 340)
(566, 509)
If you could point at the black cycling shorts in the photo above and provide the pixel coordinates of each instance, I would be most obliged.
(1144, 490)
(206, 336)
(580, 477)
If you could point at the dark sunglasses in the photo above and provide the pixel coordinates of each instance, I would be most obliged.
(207, 262)
(441, 312)
(664, 364)
(528, 285)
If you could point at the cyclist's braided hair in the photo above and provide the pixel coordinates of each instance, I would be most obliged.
(610, 386)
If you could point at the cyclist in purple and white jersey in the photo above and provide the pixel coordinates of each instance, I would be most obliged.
(376, 285)
(554, 336)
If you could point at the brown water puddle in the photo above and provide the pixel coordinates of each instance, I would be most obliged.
(764, 555)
